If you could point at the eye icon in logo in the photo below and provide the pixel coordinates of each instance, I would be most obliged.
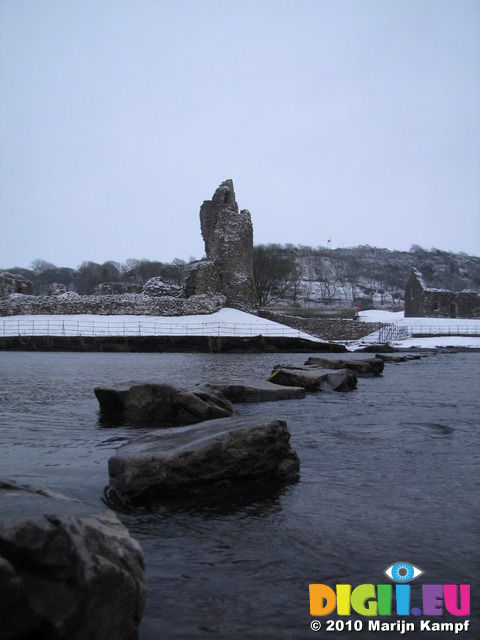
(403, 572)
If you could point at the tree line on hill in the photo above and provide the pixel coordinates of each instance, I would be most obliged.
(292, 274)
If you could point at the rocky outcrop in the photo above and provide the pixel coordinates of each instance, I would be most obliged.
(123, 304)
(158, 405)
(65, 573)
(314, 379)
(256, 391)
(156, 287)
(57, 289)
(228, 237)
(14, 283)
(363, 368)
(199, 457)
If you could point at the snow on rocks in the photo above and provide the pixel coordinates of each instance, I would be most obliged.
(71, 303)
(314, 379)
(156, 287)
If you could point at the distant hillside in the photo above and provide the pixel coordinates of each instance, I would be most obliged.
(360, 275)
(289, 275)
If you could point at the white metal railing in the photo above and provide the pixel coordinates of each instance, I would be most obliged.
(85, 327)
(389, 332)
(439, 330)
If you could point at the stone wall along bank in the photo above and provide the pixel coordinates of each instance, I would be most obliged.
(122, 304)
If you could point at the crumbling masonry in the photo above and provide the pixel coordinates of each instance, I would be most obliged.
(228, 236)
(425, 302)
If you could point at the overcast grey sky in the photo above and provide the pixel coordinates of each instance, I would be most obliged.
(351, 120)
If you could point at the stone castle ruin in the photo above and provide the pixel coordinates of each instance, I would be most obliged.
(426, 302)
(224, 278)
(14, 283)
(228, 237)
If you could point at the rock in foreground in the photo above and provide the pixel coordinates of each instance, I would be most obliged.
(159, 405)
(314, 379)
(175, 460)
(65, 573)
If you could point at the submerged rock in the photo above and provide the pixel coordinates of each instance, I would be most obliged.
(65, 573)
(313, 379)
(363, 368)
(256, 391)
(159, 404)
(398, 358)
(230, 450)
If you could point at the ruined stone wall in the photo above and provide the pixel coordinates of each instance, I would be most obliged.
(468, 304)
(14, 283)
(437, 304)
(324, 328)
(425, 302)
(225, 278)
(125, 304)
(414, 295)
(228, 237)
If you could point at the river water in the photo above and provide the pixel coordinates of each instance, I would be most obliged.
(389, 472)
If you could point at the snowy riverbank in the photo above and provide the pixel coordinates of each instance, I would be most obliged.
(437, 327)
(226, 322)
(231, 322)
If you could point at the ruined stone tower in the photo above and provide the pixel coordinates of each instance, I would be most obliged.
(228, 237)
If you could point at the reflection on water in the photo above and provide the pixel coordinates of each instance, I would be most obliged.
(388, 472)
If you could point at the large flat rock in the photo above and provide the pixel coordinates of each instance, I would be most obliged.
(149, 404)
(371, 367)
(65, 572)
(314, 379)
(170, 461)
(241, 391)
(396, 358)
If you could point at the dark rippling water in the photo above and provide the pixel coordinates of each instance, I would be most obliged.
(388, 472)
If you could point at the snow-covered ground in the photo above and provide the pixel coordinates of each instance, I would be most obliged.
(226, 322)
(433, 326)
(231, 322)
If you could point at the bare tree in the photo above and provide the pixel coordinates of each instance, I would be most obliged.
(326, 277)
(38, 266)
(271, 273)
